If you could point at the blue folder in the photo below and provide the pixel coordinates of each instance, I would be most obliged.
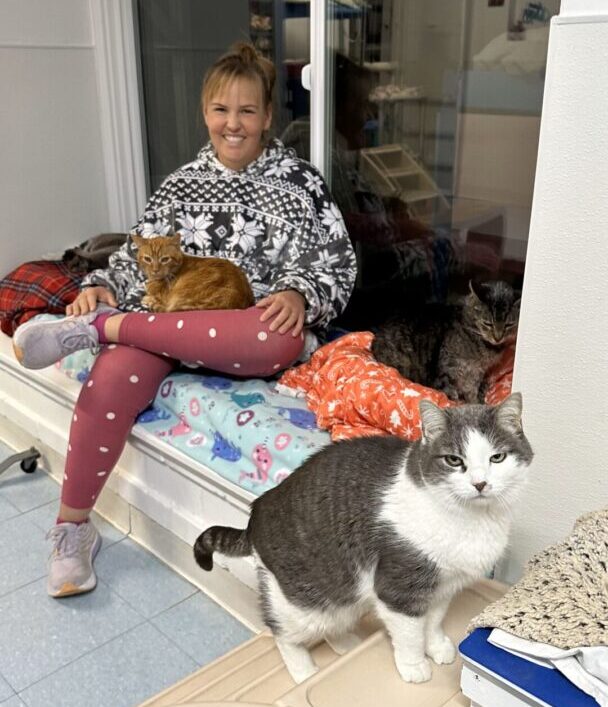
(545, 684)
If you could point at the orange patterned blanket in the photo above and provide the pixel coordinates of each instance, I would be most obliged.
(353, 395)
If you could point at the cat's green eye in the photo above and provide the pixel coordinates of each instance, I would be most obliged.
(487, 323)
(147, 259)
(453, 461)
(164, 260)
(497, 458)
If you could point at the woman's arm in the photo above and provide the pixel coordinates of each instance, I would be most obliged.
(319, 263)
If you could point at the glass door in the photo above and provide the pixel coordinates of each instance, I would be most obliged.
(395, 68)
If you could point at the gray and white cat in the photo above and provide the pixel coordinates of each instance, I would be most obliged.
(385, 524)
(452, 348)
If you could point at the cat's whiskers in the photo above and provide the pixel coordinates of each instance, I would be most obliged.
(458, 501)
(506, 506)
(503, 504)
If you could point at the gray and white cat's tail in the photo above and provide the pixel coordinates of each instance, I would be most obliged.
(229, 541)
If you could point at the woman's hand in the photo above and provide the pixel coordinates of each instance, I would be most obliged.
(287, 308)
(87, 300)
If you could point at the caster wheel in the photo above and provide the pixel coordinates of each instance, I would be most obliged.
(29, 465)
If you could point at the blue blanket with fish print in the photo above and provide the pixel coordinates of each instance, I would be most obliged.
(244, 430)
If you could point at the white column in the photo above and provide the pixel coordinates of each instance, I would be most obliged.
(562, 354)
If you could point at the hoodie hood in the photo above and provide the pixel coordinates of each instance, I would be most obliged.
(274, 152)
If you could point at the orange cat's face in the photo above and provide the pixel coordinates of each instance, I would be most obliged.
(159, 257)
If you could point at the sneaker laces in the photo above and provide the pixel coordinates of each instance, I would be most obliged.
(81, 340)
(66, 541)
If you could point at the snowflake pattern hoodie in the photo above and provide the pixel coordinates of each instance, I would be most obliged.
(275, 218)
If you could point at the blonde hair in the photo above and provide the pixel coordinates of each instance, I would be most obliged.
(242, 61)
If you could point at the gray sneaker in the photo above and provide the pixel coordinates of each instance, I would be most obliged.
(71, 560)
(38, 344)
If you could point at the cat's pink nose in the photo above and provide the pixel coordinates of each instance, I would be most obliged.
(481, 486)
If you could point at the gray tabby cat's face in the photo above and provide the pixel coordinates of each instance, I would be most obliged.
(492, 309)
(475, 454)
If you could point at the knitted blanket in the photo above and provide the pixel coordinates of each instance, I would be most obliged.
(562, 599)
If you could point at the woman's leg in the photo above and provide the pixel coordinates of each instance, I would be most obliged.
(122, 383)
(230, 341)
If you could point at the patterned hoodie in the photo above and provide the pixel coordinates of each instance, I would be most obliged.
(275, 218)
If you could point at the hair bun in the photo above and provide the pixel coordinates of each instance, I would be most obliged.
(246, 52)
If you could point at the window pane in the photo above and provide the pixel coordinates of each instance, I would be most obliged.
(436, 109)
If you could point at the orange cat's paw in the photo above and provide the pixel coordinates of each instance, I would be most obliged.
(152, 303)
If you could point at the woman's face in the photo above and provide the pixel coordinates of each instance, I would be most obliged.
(236, 118)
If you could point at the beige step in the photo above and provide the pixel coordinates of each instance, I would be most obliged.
(254, 674)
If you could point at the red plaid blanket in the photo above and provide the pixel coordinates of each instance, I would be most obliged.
(34, 288)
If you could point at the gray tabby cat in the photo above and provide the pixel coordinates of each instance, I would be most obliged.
(385, 524)
(452, 348)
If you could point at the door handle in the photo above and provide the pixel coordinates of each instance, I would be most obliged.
(305, 77)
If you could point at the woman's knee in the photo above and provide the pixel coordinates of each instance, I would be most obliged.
(123, 380)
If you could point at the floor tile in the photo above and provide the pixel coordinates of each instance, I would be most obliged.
(6, 690)
(122, 673)
(27, 491)
(147, 584)
(23, 554)
(39, 635)
(7, 510)
(201, 628)
(98, 642)
(45, 517)
(14, 702)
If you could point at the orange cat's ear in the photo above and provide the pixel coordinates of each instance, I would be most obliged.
(176, 238)
(137, 240)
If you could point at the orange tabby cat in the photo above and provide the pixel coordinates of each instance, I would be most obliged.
(178, 282)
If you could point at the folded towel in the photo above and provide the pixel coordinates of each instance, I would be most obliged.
(586, 667)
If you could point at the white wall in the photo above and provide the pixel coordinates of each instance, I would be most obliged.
(52, 188)
(562, 354)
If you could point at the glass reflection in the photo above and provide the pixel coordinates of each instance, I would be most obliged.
(436, 110)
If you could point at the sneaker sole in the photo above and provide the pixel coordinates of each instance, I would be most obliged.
(19, 351)
(68, 589)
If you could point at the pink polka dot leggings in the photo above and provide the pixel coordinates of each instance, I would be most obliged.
(126, 375)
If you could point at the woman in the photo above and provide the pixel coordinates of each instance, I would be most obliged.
(244, 198)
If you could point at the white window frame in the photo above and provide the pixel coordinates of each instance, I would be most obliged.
(319, 127)
(116, 63)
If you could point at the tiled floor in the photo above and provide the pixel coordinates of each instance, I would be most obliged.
(142, 629)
